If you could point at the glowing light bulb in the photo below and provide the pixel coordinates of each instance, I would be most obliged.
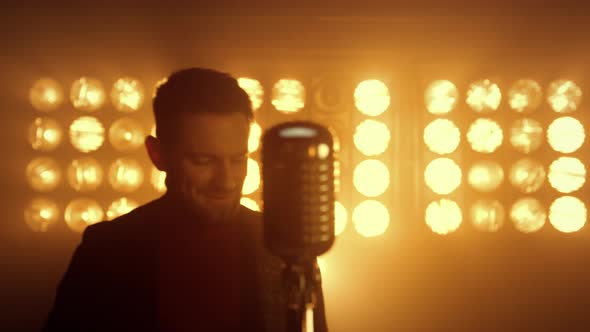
(371, 137)
(45, 134)
(87, 94)
(370, 218)
(46, 95)
(254, 90)
(371, 97)
(288, 96)
(443, 216)
(441, 97)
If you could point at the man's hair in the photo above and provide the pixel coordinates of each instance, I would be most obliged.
(197, 90)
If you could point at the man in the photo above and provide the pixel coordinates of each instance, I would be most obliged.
(192, 260)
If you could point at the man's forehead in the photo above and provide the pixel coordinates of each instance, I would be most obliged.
(212, 133)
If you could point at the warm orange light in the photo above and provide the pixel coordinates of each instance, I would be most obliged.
(127, 94)
(86, 134)
(340, 218)
(85, 174)
(442, 136)
(442, 176)
(441, 97)
(567, 174)
(371, 97)
(45, 134)
(564, 96)
(120, 207)
(82, 212)
(485, 135)
(443, 216)
(486, 175)
(254, 90)
(87, 94)
(158, 180)
(41, 214)
(528, 215)
(126, 135)
(566, 134)
(46, 95)
(254, 138)
(567, 214)
(487, 215)
(484, 96)
(288, 96)
(527, 175)
(525, 96)
(43, 174)
(526, 135)
(371, 137)
(371, 177)
(250, 203)
(252, 181)
(370, 218)
(125, 175)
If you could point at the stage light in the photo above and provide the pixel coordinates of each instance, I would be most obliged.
(254, 138)
(442, 136)
(87, 94)
(127, 94)
(158, 180)
(370, 218)
(288, 96)
(371, 97)
(45, 134)
(82, 212)
(340, 218)
(487, 215)
(371, 137)
(443, 216)
(328, 96)
(250, 203)
(85, 174)
(484, 135)
(567, 214)
(566, 134)
(254, 90)
(41, 214)
(528, 215)
(484, 96)
(526, 135)
(120, 207)
(525, 96)
(564, 96)
(46, 95)
(442, 176)
(485, 176)
(126, 135)
(441, 97)
(527, 175)
(43, 174)
(86, 134)
(125, 175)
(371, 177)
(567, 174)
(252, 181)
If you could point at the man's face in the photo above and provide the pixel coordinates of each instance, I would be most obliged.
(207, 164)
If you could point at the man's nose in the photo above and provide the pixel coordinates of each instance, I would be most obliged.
(224, 179)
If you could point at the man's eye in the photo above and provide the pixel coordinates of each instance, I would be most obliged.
(201, 160)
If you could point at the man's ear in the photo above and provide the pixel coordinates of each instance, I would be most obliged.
(156, 153)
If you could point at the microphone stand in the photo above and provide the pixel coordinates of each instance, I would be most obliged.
(301, 282)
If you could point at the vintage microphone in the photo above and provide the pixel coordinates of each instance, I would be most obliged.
(298, 214)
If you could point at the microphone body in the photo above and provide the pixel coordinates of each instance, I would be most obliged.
(298, 190)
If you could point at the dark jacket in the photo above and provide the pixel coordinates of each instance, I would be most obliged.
(112, 281)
